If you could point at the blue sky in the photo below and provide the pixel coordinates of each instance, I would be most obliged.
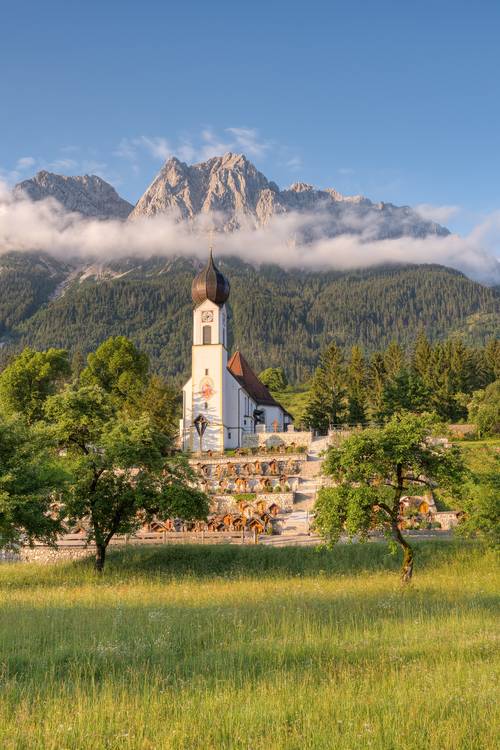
(396, 100)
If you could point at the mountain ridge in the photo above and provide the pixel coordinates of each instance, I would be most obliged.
(237, 194)
(88, 195)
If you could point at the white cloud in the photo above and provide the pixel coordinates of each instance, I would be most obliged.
(204, 145)
(157, 146)
(212, 145)
(295, 162)
(25, 162)
(186, 151)
(44, 225)
(154, 145)
(439, 214)
(62, 164)
(248, 140)
(126, 149)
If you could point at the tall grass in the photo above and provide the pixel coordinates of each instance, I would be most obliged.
(228, 647)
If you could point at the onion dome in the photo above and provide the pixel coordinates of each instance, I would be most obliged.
(210, 284)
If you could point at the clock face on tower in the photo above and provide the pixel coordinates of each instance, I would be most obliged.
(207, 316)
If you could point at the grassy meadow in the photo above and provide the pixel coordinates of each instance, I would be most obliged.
(255, 648)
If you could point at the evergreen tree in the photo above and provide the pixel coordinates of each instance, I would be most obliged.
(327, 404)
(421, 358)
(492, 359)
(376, 383)
(356, 386)
(394, 359)
(442, 397)
(405, 392)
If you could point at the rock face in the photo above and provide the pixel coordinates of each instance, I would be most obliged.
(89, 195)
(239, 195)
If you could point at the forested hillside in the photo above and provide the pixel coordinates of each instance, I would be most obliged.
(277, 317)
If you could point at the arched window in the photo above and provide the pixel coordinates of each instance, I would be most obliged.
(207, 334)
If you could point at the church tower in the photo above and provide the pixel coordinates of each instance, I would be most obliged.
(203, 406)
(223, 402)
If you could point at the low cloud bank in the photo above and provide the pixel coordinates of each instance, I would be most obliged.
(28, 226)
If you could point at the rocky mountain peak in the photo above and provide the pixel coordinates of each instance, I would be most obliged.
(301, 187)
(233, 189)
(229, 185)
(89, 195)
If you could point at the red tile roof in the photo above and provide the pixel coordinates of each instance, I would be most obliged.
(241, 370)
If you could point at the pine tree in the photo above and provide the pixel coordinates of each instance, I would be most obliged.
(328, 403)
(394, 360)
(376, 382)
(421, 358)
(492, 358)
(356, 386)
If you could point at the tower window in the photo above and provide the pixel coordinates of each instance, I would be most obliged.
(206, 404)
(206, 371)
(207, 334)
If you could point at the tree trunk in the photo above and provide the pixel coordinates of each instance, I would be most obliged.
(407, 568)
(100, 556)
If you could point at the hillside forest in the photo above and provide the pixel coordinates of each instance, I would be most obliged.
(277, 317)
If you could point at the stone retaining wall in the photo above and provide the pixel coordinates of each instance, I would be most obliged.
(447, 519)
(42, 554)
(275, 439)
(228, 503)
(264, 458)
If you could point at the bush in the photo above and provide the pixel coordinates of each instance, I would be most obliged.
(484, 409)
(248, 497)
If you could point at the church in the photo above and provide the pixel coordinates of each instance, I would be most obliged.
(224, 400)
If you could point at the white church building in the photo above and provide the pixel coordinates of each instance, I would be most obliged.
(224, 399)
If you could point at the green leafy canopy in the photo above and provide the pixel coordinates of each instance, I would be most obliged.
(372, 470)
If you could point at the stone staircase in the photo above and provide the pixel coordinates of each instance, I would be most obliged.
(296, 525)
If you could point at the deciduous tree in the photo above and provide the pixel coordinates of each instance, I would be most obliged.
(124, 469)
(373, 469)
(29, 379)
(119, 368)
(29, 478)
(274, 378)
(484, 409)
